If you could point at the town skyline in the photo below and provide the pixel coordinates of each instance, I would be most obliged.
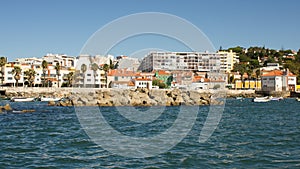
(33, 28)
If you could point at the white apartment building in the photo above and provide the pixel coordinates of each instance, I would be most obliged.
(228, 59)
(9, 76)
(90, 78)
(128, 63)
(194, 61)
(62, 59)
(67, 64)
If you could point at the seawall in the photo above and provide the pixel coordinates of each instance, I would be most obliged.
(129, 97)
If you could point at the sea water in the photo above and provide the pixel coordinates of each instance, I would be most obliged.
(249, 135)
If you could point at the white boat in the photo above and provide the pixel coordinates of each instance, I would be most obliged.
(261, 99)
(298, 99)
(22, 99)
(48, 99)
(276, 98)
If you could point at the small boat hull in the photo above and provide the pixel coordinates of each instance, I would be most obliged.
(48, 99)
(261, 99)
(22, 99)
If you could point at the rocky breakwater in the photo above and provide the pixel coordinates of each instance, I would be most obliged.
(138, 97)
(37, 92)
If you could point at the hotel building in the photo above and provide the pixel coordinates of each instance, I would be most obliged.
(189, 61)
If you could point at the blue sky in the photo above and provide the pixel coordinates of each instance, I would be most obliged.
(33, 28)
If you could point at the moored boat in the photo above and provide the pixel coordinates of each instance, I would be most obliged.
(261, 99)
(48, 99)
(22, 99)
(298, 99)
(276, 98)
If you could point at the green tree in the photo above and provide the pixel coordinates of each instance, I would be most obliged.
(83, 69)
(159, 83)
(95, 67)
(2, 65)
(17, 74)
(45, 69)
(249, 71)
(111, 64)
(257, 73)
(30, 73)
(70, 77)
(237, 49)
(57, 69)
(241, 68)
(106, 68)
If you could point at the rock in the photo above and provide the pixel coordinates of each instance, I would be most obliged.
(28, 111)
(7, 107)
(51, 103)
(84, 100)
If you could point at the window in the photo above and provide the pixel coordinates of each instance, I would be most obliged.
(89, 80)
(89, 74)
(9, 78)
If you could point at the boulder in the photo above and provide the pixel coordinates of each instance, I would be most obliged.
(7, 107)
(51, 103)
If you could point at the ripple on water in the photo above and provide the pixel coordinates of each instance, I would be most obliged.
(249, 135)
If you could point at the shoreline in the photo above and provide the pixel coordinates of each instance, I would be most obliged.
(66, 92)
(128, 97)
(132, 97)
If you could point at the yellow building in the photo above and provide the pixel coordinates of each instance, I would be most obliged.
(298, 88)
(252, 84)
(228, 59)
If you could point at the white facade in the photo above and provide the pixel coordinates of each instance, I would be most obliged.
(128, 63)
(228, 59)
(195, 61)
(278, 81)
(272, 83)
(63, 60)
(143, 83)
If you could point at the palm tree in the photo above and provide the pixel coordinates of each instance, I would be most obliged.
(111, 65)
(31, 75)
(57, 68)
(106, 68)
(95, 67)
(45, 68)
(17, 71)
(257, 73)
(249, 72)
(2, 64)
(83, 69)
(70, 77)
(241, 68)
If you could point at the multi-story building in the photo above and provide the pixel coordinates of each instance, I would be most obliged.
(62, 59)
(278, 80)
(193, 61)
(228, 59)
(128, 63)
(8, 79)
(89, 78)
(51, 78)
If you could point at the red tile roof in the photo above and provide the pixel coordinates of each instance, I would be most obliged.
(142, 79)
(162, 72)
(122, 72)
(277, 73)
